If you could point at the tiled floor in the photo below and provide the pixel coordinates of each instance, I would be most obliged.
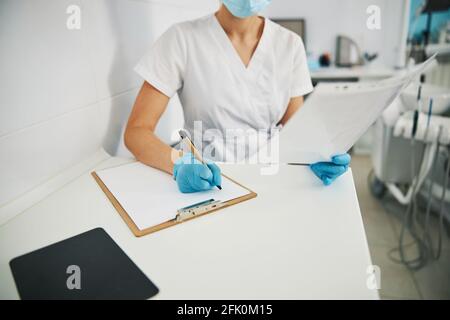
(383, 230)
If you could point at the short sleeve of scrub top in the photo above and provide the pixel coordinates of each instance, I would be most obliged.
(218, 93)
(164, 63)
(300, 84)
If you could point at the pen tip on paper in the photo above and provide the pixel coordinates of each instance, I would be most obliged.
(219, 187)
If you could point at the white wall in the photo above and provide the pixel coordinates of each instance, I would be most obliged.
(325, 19)
(66, 93)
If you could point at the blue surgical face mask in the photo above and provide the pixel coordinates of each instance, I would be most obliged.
(245, 8)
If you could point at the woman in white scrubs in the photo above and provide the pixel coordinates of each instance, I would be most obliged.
(238, 76)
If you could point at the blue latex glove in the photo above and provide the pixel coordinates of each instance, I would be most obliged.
(329, 171)
(192, 176)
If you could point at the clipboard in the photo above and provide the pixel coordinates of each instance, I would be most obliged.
(183, 214)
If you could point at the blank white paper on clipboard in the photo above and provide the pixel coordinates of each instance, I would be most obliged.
(336, 115)
(151, 197)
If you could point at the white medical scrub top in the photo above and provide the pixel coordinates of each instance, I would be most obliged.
(229, 109)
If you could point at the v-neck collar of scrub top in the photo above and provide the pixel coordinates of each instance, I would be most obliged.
(257, 59)
(254, 81)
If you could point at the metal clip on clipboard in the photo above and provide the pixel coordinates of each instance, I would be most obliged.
(197, 209)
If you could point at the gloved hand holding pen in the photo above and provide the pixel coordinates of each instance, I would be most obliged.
(192, 175)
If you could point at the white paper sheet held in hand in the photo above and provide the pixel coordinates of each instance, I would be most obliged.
(336, 115)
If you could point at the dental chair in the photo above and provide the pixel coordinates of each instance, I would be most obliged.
(411, 164)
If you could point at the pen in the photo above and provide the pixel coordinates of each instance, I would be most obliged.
(194, 150)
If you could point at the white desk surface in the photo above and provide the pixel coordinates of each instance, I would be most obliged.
(363, 72)
(297, 239)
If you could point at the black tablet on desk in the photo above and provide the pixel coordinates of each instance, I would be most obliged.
(87, 266)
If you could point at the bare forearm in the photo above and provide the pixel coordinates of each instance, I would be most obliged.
(294, 105)
(149, 149)
(140, 138)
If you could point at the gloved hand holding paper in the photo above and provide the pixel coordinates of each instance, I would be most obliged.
(336, 115)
